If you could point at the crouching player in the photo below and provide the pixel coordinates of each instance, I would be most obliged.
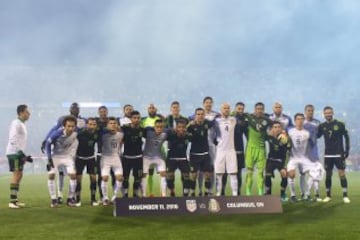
(279, 149)
(111, 140)
(65, 144)
(178, 141)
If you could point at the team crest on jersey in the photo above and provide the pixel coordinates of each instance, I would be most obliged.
(214, 206)
(336, 127)
(191, 205)
(264, 122)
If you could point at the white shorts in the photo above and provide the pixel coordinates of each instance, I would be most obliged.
(225, 161)
(61, 163)
(150, 162)
(317, 171)
(303, 164)
(110, 162)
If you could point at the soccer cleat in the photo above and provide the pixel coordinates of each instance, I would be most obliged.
(200, 193)
(13, 205)
(60, 200)
(151, 195)
(106, 202)
(20, 204)
(54, 203)
(284, 198)
(317, 199)
(307, 199)
(172, 194)
(70, 202)
(327, 199)
(78, 204)
(94, 203)
(293, 199)
(346, 200)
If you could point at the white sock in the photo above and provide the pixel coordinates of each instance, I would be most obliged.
(218, 184)
(52, 188)
(163, 186)
(104, 189)
(143, 186)
(72, 187)
(302, 183)
(291, 183)
(309, 186)
(234, 184)
(118, 185)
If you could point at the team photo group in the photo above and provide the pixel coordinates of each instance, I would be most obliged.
(210, 149)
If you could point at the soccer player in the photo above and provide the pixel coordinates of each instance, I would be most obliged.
(278, 115)
(111, 140)
(178, 140)
(240, 131)
(300, 139)
(258, 125)
(172, 119)
(125, 120)
(133, 154)
(149, 121)
(80, 123)
(279, 150)
(65, 144)
(85, 157)
(199, 150)
(311, 124)
(334, 133)
(15, 153)
(155, 137)
(225, 159)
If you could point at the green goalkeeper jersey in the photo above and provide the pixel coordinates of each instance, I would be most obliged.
(257, 130)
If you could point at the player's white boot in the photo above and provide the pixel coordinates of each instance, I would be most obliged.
(346, 200)
(327, 199)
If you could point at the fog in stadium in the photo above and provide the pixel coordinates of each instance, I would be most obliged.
(141, 52)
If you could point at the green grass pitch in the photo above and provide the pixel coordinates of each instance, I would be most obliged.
(333, 220)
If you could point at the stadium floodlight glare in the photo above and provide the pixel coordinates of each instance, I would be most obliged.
(93, 104)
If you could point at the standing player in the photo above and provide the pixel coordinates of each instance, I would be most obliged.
(335, 133)
(15, 153)
(255, 154)
(155, 137)
(149, 121)
(111, 140)
(300, 139)
(240, 132)
(279, 149)
(80, 123)
(85, 157)
(199, 150)
(225, 160)
(172, 119)
(133, 154)
(278, 115)
(178, 140)
(125, 120)
(65, 144)
(311, 124)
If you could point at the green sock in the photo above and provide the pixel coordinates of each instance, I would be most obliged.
(150, 184)
(249, 181)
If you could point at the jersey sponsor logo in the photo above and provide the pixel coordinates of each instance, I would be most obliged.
(191, 205)
(336, 127)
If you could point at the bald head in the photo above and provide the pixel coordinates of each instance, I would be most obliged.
(225, 109)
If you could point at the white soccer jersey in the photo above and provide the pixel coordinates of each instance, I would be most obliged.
(17, 137)
(65, 145)
(285, 120)
(110, 143)
(225, 131)
(124, 121)
(300, 143)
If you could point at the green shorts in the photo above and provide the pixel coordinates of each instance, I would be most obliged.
(255, 156)
(16, 162)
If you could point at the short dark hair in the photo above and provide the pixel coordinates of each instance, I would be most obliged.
(21, 108)
(175, 103)
(90, 119)
(299, 114)
(112, 119)
(103, 107)
(275, 122)
(181, 121)
(327, 108)
(133, 113)
(309, 106)
(208, 98)
(259, 104)
(127, 105)
(199, 109)
(158, 121)
(69, 118)
(240, 103)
